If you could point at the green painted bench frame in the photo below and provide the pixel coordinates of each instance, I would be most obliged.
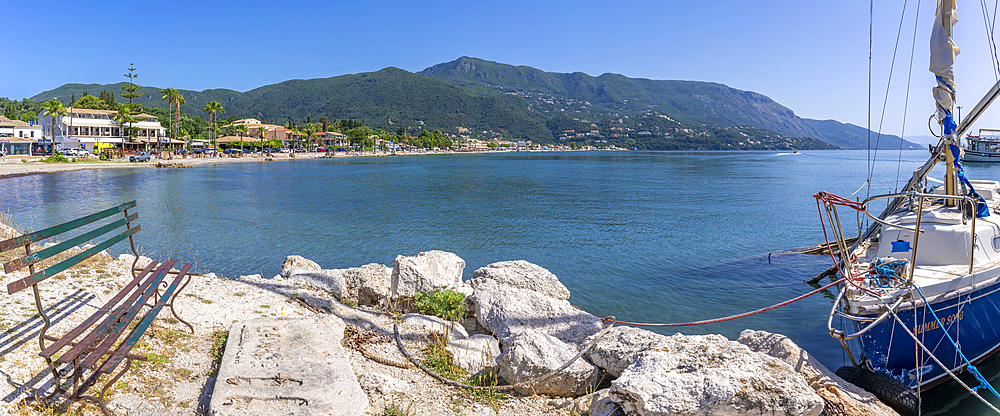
(94, 347)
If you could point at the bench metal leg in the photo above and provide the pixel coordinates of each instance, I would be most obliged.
(171, 303)
(99, 399)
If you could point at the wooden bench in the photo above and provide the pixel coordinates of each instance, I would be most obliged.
(95, 347)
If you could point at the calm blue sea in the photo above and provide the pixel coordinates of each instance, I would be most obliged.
(643, 236)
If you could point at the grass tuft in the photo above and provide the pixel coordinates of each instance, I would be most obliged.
(446, 304)
(219, 339)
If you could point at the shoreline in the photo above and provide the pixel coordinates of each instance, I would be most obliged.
(14, 166)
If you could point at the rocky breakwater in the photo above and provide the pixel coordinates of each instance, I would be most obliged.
(521, 325)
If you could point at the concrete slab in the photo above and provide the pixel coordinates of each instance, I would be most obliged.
(287, 367)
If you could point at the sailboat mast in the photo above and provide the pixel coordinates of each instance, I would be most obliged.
(943, 52)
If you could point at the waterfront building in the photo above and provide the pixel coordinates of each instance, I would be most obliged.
(329, 138)
(96, 130)
(17, 138)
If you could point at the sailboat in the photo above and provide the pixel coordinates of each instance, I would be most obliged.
(919, 300)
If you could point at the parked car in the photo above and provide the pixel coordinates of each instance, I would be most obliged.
(197, 151)
(139, 157)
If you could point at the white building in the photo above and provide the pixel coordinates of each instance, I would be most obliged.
(17, 137)
(96, 129)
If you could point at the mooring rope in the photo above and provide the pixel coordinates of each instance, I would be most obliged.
(727, 318)
(402, 349)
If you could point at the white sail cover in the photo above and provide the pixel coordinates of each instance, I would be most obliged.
(943, 52)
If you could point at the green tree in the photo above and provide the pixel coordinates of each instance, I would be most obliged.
(359, 135)
(167, 95)
(28, 116)
(240, 129)
(124, 118)
(213, 108)
(262, 132)
(91, 102)
(54, 108)
(308, 131)
(131, 90)
(178, 100)
(108, 99)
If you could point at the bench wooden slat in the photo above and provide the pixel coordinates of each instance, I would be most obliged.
(145, 290)
(133, 337)
(121, 327)
(88, 349)
(61, 228)
(13, 265)
(103, 311)
(26, 282)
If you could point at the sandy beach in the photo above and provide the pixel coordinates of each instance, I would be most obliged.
(14, 166)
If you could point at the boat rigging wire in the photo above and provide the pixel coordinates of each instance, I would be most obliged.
(871, 20)
(971, 368)
(939, 363)
(885, 100)
(906, 98)
(989, 25)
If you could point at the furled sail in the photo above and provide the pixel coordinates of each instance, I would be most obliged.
(943, 52)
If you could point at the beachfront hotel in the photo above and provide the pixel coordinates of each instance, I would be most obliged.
(96, 130)
(17, 137)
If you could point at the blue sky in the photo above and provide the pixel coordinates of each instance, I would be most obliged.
(809, 56)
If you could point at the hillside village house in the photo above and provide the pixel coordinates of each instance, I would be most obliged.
(17, 137)
(96, 130)
(275, 132)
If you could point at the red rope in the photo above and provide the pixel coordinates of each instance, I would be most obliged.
(827, 197)
(731, 317)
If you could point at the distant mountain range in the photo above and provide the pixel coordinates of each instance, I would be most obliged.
(491, 99)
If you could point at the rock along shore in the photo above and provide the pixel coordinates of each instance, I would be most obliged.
(518, 324)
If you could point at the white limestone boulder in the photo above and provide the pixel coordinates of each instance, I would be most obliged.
(367, 285)
(618, 348)
(426, 272)
(297, 264)
(530, 354)
(475, 353)
(424, 325)
(524, 275)
(330, 280)
(710, 375)
(850, 399)
(506, 310)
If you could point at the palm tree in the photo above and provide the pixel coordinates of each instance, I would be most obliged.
(212, 108)
(168, 95)
(54, 108)
(178, 100)
(240, 129)
(123, 118)
(263, 137)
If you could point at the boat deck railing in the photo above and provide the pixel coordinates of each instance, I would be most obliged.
(847, 256)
